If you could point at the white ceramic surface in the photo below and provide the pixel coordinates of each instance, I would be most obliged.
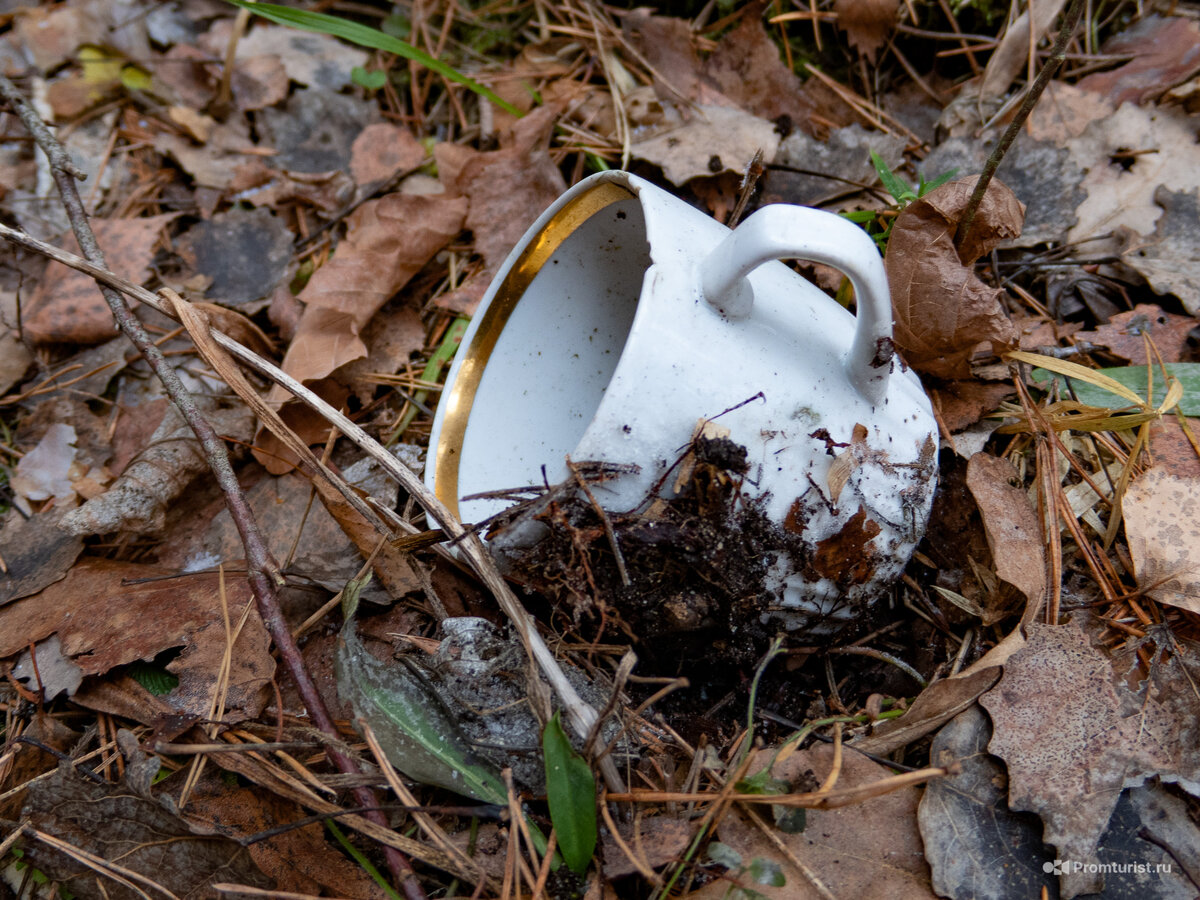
(625, 316)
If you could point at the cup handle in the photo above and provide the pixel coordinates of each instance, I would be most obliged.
(783, 231)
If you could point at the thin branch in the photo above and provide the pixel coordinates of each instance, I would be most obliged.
(262, 569)
(1057, 55)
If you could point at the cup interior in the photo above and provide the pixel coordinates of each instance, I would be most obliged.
(545, 351)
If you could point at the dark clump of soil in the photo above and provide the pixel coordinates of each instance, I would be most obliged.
(692, 599)
(695, 563)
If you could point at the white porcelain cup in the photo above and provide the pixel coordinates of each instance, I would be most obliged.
(625, 316)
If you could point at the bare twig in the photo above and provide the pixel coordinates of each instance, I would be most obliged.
(262, 569)
(1070, 21)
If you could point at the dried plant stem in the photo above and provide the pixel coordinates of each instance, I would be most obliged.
(579, 714)
(262, 569)
(1057, 55)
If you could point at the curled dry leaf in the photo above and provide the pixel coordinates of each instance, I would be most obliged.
(867, 23)
(1162, 524)
(936, 705)
(943, 311)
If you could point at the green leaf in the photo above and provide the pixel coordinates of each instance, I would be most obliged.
(365, 36)
(724, 855)
(414, 729)
(1134, 378)
(153, 677)
(571, 795)
(372, 81)
(893, 183)
(766, 871)
(790, 819)
(762, 782)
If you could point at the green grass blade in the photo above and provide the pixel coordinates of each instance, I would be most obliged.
(365, 864)
(366, 36)
(892, 183)
(924, 187)
(571, 794)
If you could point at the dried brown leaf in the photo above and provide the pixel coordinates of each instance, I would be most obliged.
(1165, 52)
(392, 567)
(961, 404)
(119, 825)
(381, 150)
(1013, 531)
(259, 82)
(507, 190)
(308, 58)
(300, 859)
(109, 614)
(747, 68)
(715, 139)
(1162, 523)
(1168, 257)
(1011, 54)
(1171, 449)
(212, 164)
(391, 338)
(869, 851)
(667, 44)
(67, 306)
(934, 706)
(36, 553)
(183, 72)
(1073, 737)
(1122, 334)
(51, 34)
(389, 240)
(867, 23)
(943, 311)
